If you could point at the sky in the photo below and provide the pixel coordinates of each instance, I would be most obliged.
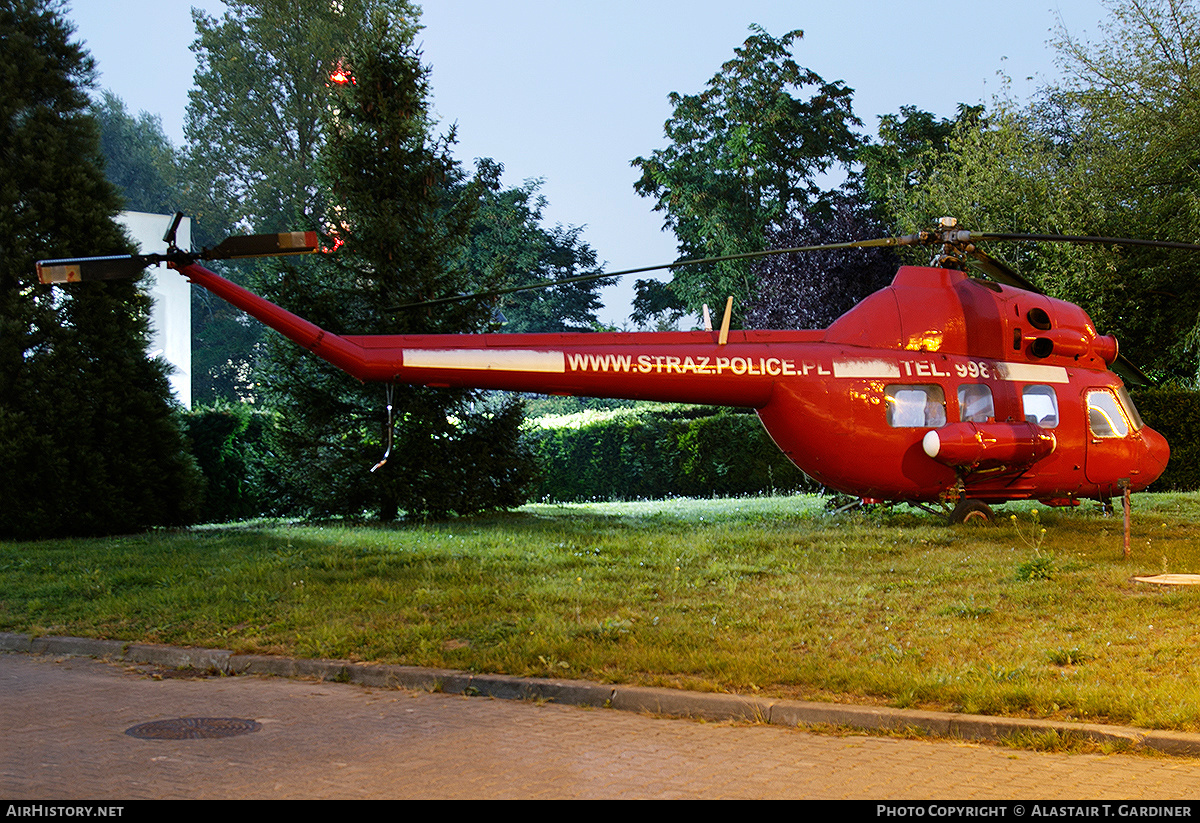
(570, 91)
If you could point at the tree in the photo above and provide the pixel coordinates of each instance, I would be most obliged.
(509, 246)
(1011, 174)
(810, 290)
(88, 440)
(743, 154)
(1111, 152)
(254, 135)
(656, 306)
(254, 119)
(1014, 177)
(402, 210)
(1004, 174)
(1129, 117)
(909, 148)
(1131, 106)
(139, 159)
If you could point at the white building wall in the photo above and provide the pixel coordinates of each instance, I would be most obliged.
(171, 314)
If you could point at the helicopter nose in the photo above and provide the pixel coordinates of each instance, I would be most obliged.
(1158, 451)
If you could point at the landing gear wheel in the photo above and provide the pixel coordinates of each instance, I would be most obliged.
(971, 511)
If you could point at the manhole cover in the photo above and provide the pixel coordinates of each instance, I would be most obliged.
(193, 728)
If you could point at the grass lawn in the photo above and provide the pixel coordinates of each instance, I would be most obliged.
(772, 595)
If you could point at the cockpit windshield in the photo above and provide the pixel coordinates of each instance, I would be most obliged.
(1130, 409)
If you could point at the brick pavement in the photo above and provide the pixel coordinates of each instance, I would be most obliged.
(63, 722)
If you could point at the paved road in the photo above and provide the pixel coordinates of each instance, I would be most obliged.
(63, 723)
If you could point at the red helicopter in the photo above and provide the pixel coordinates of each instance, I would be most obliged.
(940, 389)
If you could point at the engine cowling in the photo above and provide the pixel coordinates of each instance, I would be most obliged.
(988, 445)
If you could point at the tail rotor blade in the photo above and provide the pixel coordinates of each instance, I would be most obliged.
(124, 266)
(83, 269)
(264, 245)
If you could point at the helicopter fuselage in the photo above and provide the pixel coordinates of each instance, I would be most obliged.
(936, 387)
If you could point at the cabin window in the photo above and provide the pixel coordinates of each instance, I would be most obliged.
(975, 404)
(1040, 406)
(915, 406)
(1105, 417)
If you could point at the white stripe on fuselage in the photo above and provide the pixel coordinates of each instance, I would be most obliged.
(526, 360)
(1031, 373)
(850, 368)
(865, 367)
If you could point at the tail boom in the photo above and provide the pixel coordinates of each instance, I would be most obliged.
(688, 367)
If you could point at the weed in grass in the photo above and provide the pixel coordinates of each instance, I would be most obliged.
(92, 583)
(1068, 657)
(1002, 674)
(610, 630)
(1066, 742)
(1041, 565)
(552, 665)
(494, 634)
(1038, 567)
(967, 611)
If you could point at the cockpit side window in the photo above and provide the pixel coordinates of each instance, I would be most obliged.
(975, 404)
(1040, 406)
(915, 406)
(1105, 417)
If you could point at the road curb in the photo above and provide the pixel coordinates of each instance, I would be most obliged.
(671, 702)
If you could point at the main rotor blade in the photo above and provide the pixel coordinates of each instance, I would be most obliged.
(750, 255)
(1001, 272)
(1079, 239)
(1124, 368)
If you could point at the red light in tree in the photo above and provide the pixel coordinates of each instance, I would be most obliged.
(341, 75)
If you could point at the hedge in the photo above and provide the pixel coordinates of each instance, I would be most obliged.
(1174, 413)
(631, 454)
(230, 444)
(628, 454)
